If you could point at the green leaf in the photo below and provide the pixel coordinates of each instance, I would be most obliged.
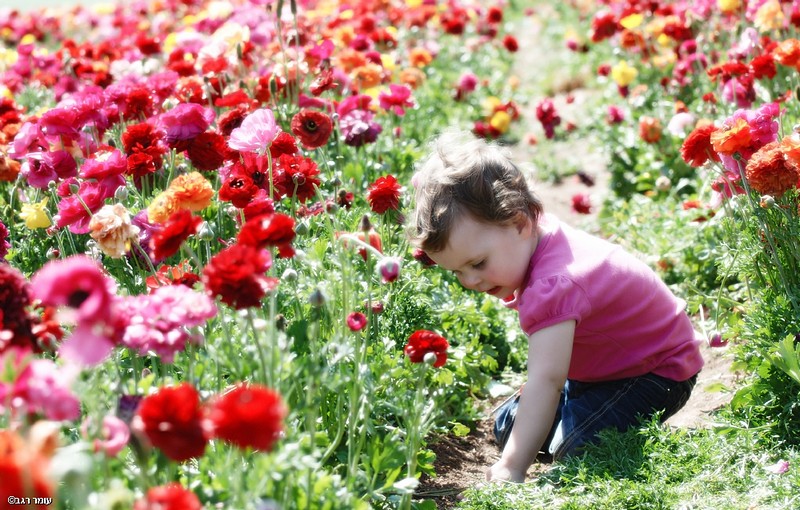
(787, 357)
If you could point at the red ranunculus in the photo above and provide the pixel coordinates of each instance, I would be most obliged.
(178, 227)
(238, 189)
(296, 175)
(384, 194)
(207, 151)
(422, 342)
(313, 128)
(510, 43)
(248, 416)
(172, 421)
(169, 497)
(697, 148)
(237, 275)
(284, 143)
(274, 229)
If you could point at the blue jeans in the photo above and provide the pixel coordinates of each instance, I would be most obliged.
(587, 408)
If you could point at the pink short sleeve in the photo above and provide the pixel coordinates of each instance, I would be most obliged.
(552, 300)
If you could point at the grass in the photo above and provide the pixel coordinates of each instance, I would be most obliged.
(654, 468)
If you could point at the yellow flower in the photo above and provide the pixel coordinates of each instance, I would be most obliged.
(490, 104)
(35, 216)
(500, 121)
(632, 21)
(162, 207)
(623, 74)
(729, 6)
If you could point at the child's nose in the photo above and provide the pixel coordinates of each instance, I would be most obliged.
(470, 281)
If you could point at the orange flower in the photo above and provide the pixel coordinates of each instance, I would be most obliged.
(731, 138)
(191, 191)
(162, 207)
(697, 148)
(9, 169)
(787, 52)
(650, 129)
(412, 76)
(419, 57)
(790, 145)
(769, 173)
(367, 76)
(23, 468)
(349, 59)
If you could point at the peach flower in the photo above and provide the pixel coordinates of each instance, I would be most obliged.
(111, 227)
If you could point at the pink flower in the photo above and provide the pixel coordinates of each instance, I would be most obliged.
(76, 282)
(185, 121)
(256, 132)
(468, 82)
(615, 115)
(41, 168)
(397, 100)
(356, 321)
(779, 467)
(104, 163)
(115, 433)
(715, 339)
(72, 211)
(45, 388)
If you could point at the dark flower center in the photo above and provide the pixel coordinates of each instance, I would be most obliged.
(237, 183)
(77, 298)
(310, 125)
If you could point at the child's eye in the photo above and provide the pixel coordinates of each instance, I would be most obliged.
(479, 265)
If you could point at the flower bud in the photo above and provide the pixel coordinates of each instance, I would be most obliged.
(317, 298)
(290, 275)
(663, 183)
(429, 358)
(74, 187)
(301, 228)
(766, 201)
(121, 194)
(389, 269)
(205, 232)
(365, 225)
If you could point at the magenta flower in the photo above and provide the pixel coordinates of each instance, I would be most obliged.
(44, 388)
(185, 121)
(323, 50)
(389, 269)
(60, 121)
(359, 128)
(41, 168)
(4, 244)
(104, 163)
(397, 100)
(115, 435)
(356, 321)
(78, 283)
(256, 132)
(72, 209)
(29, 139)
(779, 467)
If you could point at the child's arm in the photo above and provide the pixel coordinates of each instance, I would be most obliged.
(549, 352)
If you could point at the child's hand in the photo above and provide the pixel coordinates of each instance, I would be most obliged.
(499, 472)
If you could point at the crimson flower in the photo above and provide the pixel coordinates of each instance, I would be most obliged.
(171, 419)
(274, 229)
(169, 497)
(178, 227)
(356, 321)
(422, 342)
(313, 128)
(384, 194)
(296, 175)
(207, 151)
(248, 416)
(697, 147)
(236, 275)
(581, 203)
(510, 43)
(239, 189)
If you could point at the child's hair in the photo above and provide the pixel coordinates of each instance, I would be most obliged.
(465, 174)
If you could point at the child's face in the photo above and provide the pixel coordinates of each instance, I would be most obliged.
(489, 258)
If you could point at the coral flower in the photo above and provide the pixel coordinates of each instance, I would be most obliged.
(256, 133)
(733, 137)
(248, 416)
(384, 194)
(162, 206)
(423, 342)
(787, 52)
(177, 229)
(649, 129)
(237, 276)
(171, 419)
(769, 173)
(697, 148)
(169, 497)
(313, 128)
(111, 227)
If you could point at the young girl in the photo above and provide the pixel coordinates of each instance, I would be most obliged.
(609, 344)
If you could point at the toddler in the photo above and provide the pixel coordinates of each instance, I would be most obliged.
(608, 343)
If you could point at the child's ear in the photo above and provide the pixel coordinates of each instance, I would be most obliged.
(524, 223)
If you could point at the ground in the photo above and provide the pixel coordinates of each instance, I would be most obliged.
(461, 463)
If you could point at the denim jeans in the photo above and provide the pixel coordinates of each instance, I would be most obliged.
(587, 408)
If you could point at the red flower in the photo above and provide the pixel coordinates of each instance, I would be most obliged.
(238, 189)
(384, 194)
(373, 240)
(172, 275)
(581, 203)
(23, 470)
(494, 14)
(422, 342)
(178, 227)
(172, 421)
(207, 151)
(356, 321)
(284, 143)
(313, 128)
(697, 148)
(510, 43)
(248, 416)
(274, 229)
(769, 173)
(296, 175)
(169, 497)
(649, 129)
(604, 25)
(763, 66)
(236, 275)
(15, 297)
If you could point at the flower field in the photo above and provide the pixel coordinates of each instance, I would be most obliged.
(207, 298)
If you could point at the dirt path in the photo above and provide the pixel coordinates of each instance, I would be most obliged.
(462, 462)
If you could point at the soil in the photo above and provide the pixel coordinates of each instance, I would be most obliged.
(461, 462)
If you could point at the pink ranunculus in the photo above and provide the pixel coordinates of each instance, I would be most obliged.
(104, 163)
(44, 388)
(256, 132)
(397, 100)
(115, 435)
(185, 121)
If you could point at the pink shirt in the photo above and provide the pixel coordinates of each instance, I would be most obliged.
(628, 322)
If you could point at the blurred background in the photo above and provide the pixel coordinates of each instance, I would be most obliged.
(37, 4)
